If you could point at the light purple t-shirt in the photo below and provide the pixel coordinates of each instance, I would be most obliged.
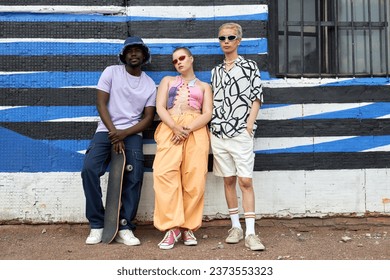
(129, 95)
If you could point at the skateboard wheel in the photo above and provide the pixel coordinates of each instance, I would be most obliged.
(123, 222)
(129, 168)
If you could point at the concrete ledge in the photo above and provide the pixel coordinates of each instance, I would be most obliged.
(334, 222)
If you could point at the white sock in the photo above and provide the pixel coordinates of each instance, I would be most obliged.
(250, 223)
(234, 217)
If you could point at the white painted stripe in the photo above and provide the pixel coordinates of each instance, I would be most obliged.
(20, 73)
(148, 149)
(196, 11)
(304, 110)
(303, 82)
(86, 86)
(114, 41)
(79, 119)
(64, 9)
(379, 149)
(10, 107)
(59, 40)
(268, 143)
(384, 117)
(147, 11)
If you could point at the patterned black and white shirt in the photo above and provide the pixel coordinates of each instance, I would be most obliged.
(234, 93)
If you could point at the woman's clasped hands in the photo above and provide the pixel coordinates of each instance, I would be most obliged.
(180, 133)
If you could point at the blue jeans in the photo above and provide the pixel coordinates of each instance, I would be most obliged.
(96, 162)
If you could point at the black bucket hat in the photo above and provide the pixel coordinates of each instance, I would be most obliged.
(135, 41)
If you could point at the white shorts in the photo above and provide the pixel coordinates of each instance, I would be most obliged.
(233, 156)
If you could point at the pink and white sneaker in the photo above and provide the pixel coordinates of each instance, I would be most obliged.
(189, 238)
(170, 238)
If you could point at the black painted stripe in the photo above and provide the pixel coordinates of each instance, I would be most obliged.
(48, 96)
(62, 130)
(316, 95)
(66, 2)
(98, 63)
(62, 63)
(130, 2)
(319, 128)
(311, 161)
(193, 2)
(318, 161)
(334, 94)
(305, 95)
(53, 130)
(148, 163)
(119, 30)
(325, 127)
(193, 29)
(62, 30)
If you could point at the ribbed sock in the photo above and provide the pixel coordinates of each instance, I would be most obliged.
(234, 217)
(250, 223)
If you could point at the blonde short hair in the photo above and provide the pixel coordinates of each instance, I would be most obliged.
(234, 26)
(187, 50)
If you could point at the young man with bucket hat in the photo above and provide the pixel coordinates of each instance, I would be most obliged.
(126, 100)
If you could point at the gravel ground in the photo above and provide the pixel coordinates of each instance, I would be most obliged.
(295, 239)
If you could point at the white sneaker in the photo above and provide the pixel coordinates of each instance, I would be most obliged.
(95, 236)
(127, 237)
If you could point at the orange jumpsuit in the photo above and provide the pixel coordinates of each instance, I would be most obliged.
(180, 171)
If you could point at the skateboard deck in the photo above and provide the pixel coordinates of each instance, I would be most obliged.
(113, 198)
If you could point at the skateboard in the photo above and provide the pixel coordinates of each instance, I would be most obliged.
(113, 198)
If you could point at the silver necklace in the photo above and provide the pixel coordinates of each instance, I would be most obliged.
(133, 80)
(190, 83)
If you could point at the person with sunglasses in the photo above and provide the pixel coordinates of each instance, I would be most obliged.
(126, 103)
(180, 167)
(237, 97)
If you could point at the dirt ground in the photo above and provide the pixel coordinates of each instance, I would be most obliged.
(295, 239)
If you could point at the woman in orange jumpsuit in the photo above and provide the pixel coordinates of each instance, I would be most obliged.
(184, 105)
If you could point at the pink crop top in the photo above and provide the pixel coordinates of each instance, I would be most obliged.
(195, 93)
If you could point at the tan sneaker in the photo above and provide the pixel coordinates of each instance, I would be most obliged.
(253, 242)
(235, 235)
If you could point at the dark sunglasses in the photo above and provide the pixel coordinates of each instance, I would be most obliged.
(180, 58)
(230, 38)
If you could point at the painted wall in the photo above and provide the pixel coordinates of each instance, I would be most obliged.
(322, 147)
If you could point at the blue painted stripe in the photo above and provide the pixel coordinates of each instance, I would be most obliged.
(43, 17)
(255, 46)
(45, 113)
(359, 81)
(69, 145)
(49, 79)
(39, 17)
(35, 155)
(370, 111)
(355, 144)
(271, 106)
(40, 155)
(59, 48)
(76, 79)
(71, 79)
